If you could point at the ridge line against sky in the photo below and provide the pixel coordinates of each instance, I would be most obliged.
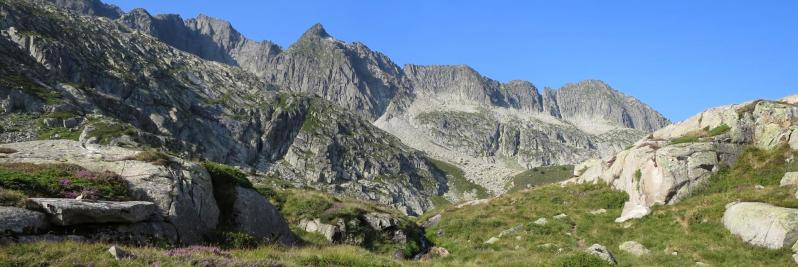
(680, 57)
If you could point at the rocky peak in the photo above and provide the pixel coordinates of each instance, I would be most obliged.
(591, 102)
(315, 31)
(89, 7)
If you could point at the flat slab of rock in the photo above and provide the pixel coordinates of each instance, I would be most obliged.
(19, 220)
(64, 211)
(762, 224)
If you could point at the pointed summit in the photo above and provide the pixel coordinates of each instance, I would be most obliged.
(315, 31)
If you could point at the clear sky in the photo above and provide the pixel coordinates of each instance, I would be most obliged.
(680, 57)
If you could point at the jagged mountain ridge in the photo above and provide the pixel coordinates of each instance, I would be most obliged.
(97, 78)
(587, 117)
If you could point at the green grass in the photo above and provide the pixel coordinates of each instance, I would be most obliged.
(222, 172)
(10, 197)
(61, 180)
(457, 180)
(155, 157)
(692, 228)
(47, 133)
(721, 129)
(541, 176)
(107, 131)
(95, 254)
(696, 136)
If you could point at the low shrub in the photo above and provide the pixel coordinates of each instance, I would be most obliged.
(62, 180)
(221, 172)
(11, 197)
(153, 156)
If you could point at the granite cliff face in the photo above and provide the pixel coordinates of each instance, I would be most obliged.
(96, 80)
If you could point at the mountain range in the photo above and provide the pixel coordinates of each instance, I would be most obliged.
(323, 113)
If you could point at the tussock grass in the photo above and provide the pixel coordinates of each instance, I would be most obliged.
(541, 175)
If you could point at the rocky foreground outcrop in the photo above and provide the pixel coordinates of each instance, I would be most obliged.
(672, 162)
(173, 200)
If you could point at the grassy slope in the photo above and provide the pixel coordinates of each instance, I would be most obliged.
(691, 228)
(457, 180)
(541, 176)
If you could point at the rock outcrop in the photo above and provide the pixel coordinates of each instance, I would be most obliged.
(671, 163)
(253, 214)
(762, 224)
(174, 201)
(65, 212)
(20, 221)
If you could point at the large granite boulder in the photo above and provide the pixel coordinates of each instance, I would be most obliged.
(673, 162)
(790, 178)
(253, 214)
(65, 211)
(762, 224)
(181, 191)
(19, 220)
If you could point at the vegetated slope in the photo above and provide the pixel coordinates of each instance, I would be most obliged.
(680, 234)
(489, 129)
(96, 80)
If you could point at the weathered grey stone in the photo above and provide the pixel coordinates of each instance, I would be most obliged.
(253, 214)
(511, 231)
(492, 240)
(19, 220)
(762, 224)
(602, 252)
(63, 211)
(789, 179)
(541, 221)
(329, 231)
(560, 216)
(634, 248)
(380, 221)
(435, 219)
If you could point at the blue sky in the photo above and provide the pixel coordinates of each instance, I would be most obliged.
(680, 57)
